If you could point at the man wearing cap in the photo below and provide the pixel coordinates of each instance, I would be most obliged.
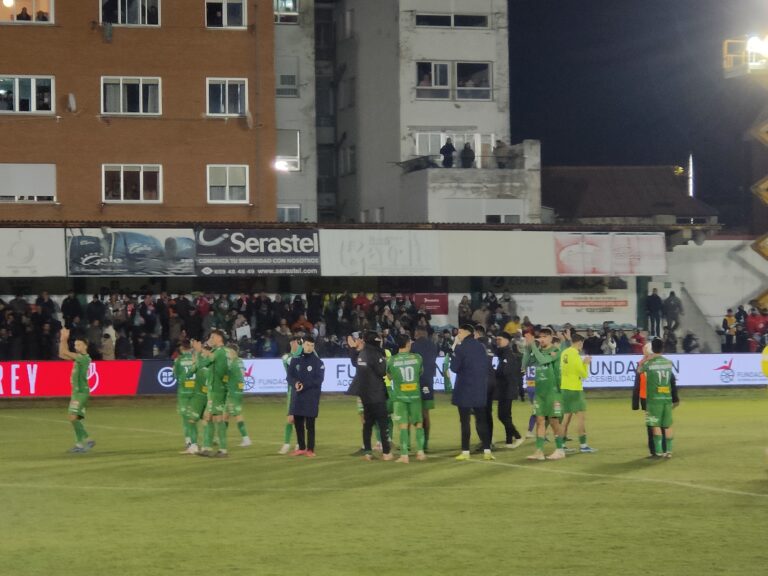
(508, 377)
(470, 364)
(368, 384)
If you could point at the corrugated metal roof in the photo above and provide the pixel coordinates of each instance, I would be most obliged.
(619, 191)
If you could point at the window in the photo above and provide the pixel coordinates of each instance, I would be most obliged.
(132, 183)
(26, 94)
(288, 151)
(227, 184)
(349, 23)
(225, 13)
(288, 213)
(130, 95)
(498, 218)
(27, 12)
(287, 70)
(27, 182)
(227, 96)
(379, 214)
(473, 81)
(286, 11)
(131, 12)
(452, 20)
(432, 80)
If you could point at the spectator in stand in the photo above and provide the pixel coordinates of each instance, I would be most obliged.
(447, 152)
(673, 309)
(302, 324)
(467, 156)
(48, 307)
(670, 341)
(95, 310)
(592, 343)
(654, 307)
(637, 341)
(465, 311)
(513, 326)
(267, 346)
(754, 323)
(609, 344)
(690, 343)
(19, 305)
(729, 330)
(741, 339)
(481, 316)
(107, 347)
(623, 345)
(5, 344)
(741, 314)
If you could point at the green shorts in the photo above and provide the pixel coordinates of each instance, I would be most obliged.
(548, 404)
(428, 404)
(182, 400)
(360, 408)
(196, 407)
(234, 404)
(407, 412)
(77, 404)
(658, 413)
(217, 402)
(574, 401)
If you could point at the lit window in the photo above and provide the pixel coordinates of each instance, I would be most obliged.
(131, 12)
(130, 95)
(473, 81)
(288, 213)
(227, 96)
(27, 12)
(27, 94)
(286, 11)
(227, 184)
(288, 151)
(433, 80)
(132, 183)
(225, 14)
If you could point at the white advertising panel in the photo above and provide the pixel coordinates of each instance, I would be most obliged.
(612, 254)
(268, 376)
(32, 252)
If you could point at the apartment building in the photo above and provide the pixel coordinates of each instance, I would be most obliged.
(140, 111)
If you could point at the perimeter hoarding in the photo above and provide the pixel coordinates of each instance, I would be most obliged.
(131, 377)
(130, 252)
(32, 252)
(611, 254)
(241, 252)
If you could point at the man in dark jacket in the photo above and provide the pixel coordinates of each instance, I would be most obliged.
(470, 364)
(427, 349)
(308, 372)
(508, 380)
(71, 309)
(368, 384)
(482, 337)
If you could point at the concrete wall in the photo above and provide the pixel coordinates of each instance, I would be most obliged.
(182, 52)
(298, 41)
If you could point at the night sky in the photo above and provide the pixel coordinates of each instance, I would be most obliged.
(636, 82)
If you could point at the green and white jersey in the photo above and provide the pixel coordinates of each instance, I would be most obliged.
(202, 379)
(184, 371)
(236, 381)
(404, 370)
(79, 377)
(288, 356)
(544, 366)
(658, 374)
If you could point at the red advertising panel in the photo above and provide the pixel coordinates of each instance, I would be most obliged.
(40, 379)
(434, 303)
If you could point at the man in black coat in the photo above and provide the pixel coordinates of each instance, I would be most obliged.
(488, 344)
(427, 349)
(368, 384)
(308, 373)
(509, 377)
(470, 364)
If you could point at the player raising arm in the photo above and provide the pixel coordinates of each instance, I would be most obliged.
(81, 393)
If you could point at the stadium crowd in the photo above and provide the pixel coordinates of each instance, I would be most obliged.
(124, 326)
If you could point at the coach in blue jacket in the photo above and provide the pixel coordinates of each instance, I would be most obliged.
(470, 392)
(307, 372)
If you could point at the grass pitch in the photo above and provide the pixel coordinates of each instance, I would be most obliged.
(133, 506)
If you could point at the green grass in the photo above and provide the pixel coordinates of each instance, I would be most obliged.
(133, 506)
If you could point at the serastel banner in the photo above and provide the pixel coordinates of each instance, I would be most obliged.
(130, 252)
(131, 377)
(241, 252)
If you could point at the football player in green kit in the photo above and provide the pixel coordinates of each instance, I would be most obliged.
(547, 405)
(295, 351)
(235, 387)
(184, 372)
(81, 393)
(217, 396)
(404, 369)
(661, 397)
(199, 400)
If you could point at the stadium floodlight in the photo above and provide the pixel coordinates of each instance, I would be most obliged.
(8, 3)
(281, 165)
(757, 45)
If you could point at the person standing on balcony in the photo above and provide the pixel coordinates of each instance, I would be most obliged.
(447, 151)
(653, 307)
(467, 156)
